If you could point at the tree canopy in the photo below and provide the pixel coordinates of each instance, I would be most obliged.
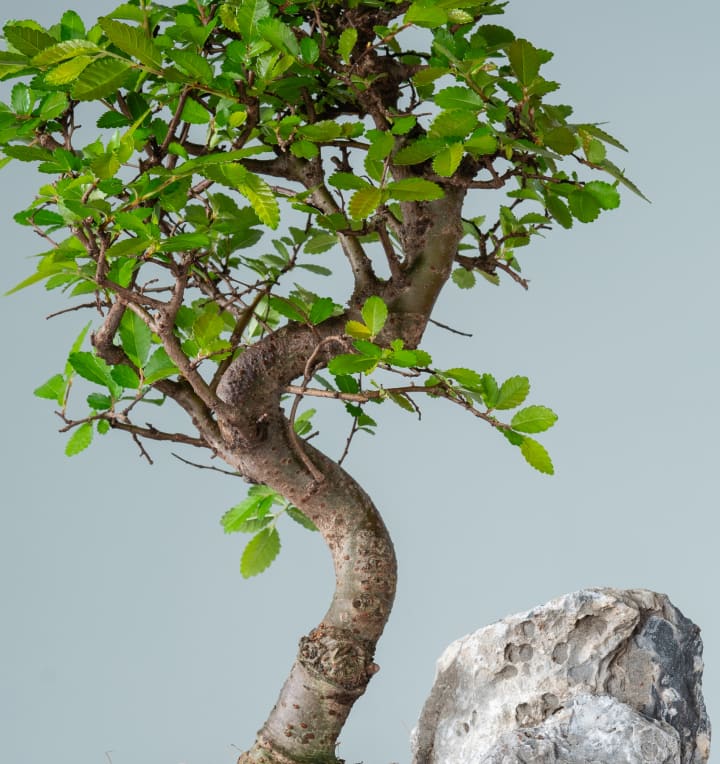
(241, 152)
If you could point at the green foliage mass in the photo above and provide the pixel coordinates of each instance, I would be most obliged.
(198, 107)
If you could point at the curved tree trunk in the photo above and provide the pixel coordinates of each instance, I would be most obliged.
(335, 661)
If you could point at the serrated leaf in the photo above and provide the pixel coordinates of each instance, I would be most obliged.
(465, 377)
(561, 139)
(99, 402)
(346, 181)
(490, 390)
(133, 41)
(80, 439)
(525, 60)
(251, 515)
(22, 99)
(414, 190)
(101, 78)
(320, 242)
(513, 392)
(458, 97)
(159, 366)
(309, 50)
(448, 160)
(68, 71)
(184, 242)
(71, 26)
(287, 308)
(357, 330)
(27, 39)
(425, 13)
(301, 518)
(347, 41)
(619, 175)
(90, 367)
(558, 209)
(321, 310)
(374, 313)
(534, 419)
(605, 194)
(136, 338)
(64, 50)
(193, 65)
(125, 377)
(481, 143)
(261, 198)
(453, 124)
(364, 202)
(464, 278)
(403, 401)
(260, 552)
(537, 456)
(584, 206)
(351, 364)
(279, 35)
(54, 389)
(419, 151)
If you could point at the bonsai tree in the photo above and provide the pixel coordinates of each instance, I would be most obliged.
(234, 143)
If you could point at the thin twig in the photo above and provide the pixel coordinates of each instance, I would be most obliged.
(143, 452)
(206, 466)
(449, 328)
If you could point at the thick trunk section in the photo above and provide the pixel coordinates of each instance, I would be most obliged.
(335, 661)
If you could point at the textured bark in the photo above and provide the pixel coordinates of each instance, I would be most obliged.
(335, 660)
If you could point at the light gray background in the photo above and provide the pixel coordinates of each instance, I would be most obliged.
(126, 626)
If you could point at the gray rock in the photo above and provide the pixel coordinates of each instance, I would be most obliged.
(601, 676)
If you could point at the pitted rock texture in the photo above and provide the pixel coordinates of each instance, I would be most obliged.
(601, 676)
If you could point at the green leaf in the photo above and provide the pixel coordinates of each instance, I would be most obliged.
(357, 330)
(91, 367)
(64, 50)
(414, 190)
(261, 198)
(347, 41)
(481, 143)
(419, 151)
(301, 518)
(561, 139)
(536, 456)
(68, 71)
(584, 206)
(525, 60)
(193, 65)
(320, 242)
(260, 552)
(459, 98)
(136, 338)
(512, 393)
(426, 13)
(184, 242)
(99, 402)
(251, 515)
(364, 202)
(80, 439)
(321, 132)
(448, 160)
(466, 377)
(29, 40)
(346, 181)
(351, 364)
(605, 194)
(286, 308)
(464, 278)
(374, 313)
(310, 50)
(54, 389)
(558, 209)
(133, 41)
(490, 390)
(125, 377)
(279, 35)
(101, 78)
(533, 419)
(71, 26)
(159, 366)
(453, 124)
(321, 310)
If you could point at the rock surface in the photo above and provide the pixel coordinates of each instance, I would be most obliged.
(601, 676)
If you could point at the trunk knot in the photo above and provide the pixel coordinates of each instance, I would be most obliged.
(339, 657)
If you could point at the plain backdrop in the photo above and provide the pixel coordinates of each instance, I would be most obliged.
(126, 626)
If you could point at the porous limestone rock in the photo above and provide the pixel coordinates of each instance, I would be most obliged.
(601, 676)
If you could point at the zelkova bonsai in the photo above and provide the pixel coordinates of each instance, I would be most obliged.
(373, 132)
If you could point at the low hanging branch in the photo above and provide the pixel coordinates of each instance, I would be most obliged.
(198, 295)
